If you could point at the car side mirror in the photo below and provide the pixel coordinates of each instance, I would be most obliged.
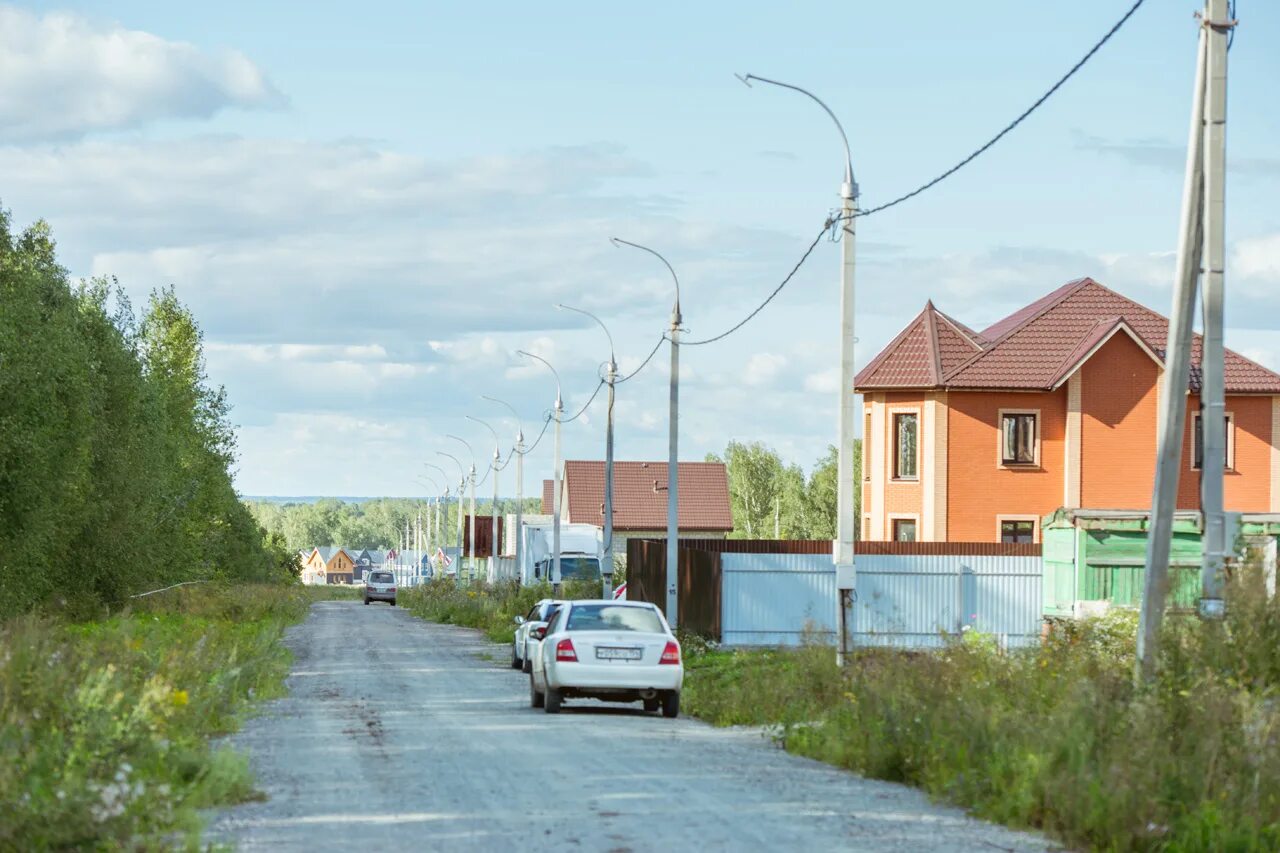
(519, 620)
(539, 632)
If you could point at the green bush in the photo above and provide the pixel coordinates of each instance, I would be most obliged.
(490, 607)
(104, 726)
(1056, 737)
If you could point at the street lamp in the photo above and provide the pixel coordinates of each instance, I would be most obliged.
(611, 376)
(428, 480)
(493, 510)
(673, 461)
(555, 476)
(462, 485)
(519, 451)
(471, 524)
(439, 519)
(846, 575)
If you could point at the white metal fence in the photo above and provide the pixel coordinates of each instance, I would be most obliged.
(904, 601)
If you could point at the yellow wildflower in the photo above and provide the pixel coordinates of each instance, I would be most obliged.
(179, 698)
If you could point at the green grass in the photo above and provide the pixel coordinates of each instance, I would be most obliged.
(105, 726)
(1056, 737)
(490, 607)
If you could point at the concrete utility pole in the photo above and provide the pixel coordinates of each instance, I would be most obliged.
(493, 510)
(673, 442)
(519, 451)
(462, 485)
(439, 521)
(843, 550)
(555, 477)
(1201, 223)
(471, 527)
(611, 376)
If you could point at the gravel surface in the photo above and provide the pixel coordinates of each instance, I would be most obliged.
(404, 735)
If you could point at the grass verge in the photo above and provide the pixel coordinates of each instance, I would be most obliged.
(489, 607)
(1056, 737)
(105, 726)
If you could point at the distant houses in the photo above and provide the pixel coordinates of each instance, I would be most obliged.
(335, 564)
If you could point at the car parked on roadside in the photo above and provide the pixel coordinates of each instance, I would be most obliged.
(522, 645)
(380, 586)
(614, 651)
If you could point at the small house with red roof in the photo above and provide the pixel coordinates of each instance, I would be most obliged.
(640, 499)
(975, 436)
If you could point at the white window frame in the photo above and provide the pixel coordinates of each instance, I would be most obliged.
(1018, 466)
(905, 516)
(1034, 519)
(892, 432)
(1231, 440)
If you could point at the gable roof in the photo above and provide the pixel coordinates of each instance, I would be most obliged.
(1038, 347)
(638, 505)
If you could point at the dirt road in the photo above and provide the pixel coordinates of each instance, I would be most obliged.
(399, 734)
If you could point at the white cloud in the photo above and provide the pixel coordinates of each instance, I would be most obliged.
(1257, 258)
(823, 381)
(762, 368)
(65, 76)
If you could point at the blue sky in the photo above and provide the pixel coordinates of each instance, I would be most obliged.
(370, 207)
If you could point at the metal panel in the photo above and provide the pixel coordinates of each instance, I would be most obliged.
(777, 599)
(915, 601)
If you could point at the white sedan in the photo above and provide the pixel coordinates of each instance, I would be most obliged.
(616, 651)
(523, 645)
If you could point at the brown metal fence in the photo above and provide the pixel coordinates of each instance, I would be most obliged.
(699, 578)
(484, 535)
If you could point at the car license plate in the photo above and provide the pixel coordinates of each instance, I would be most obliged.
(615, 653)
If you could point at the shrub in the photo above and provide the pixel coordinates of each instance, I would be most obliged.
(490, 607)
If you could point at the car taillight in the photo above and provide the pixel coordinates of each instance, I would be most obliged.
(565, 651)
(671, 654)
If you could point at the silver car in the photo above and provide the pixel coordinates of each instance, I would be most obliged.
(380, 586)
(523, 645)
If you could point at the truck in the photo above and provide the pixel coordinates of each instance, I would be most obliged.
(581, 551)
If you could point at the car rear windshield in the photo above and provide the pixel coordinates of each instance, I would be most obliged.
(613, 617)
(380, 577)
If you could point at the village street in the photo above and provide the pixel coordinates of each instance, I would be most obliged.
(399, 734)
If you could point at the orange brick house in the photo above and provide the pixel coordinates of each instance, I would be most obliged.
(975, 436)
(328, 565)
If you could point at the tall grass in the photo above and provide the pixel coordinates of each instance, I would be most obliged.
(1057, 737)
(490, 607)
(104, 726)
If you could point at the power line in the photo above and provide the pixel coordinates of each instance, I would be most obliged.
(583, 410)
(644, 363)
(1011, 125)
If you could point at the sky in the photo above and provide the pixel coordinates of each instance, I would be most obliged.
(371, 207)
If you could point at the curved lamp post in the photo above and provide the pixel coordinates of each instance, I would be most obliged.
(673, 418)
(519, 451)
(845, 523)
(439, 519)
(611, 376)
(555, 476)
(471, 526)
(462, 485)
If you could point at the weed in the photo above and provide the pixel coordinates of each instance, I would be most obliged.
(490, 607)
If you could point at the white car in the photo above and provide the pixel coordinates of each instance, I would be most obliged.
(616, 651)
(523, 645)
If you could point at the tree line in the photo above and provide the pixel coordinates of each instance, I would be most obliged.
(376, 524)
(772, 499)
(115, 452)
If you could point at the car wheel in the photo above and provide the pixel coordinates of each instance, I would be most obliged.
(526, 665)
(366, 602)
(551, 701)
(651, 705)
(671, 703)
(392, 602)
(535, 698)
(516, 663)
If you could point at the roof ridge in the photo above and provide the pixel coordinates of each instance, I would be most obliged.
(967, 334)
(1111, 323)
(935, 355)
(884, 354)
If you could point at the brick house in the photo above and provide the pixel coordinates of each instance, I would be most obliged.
(331, 564)
(975, 436)
(640, 500)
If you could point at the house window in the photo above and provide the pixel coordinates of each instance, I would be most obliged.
(1017, 532)
(866, 438)
(906, 434)
(1017, 438)
(1197, 459)
(904, 530)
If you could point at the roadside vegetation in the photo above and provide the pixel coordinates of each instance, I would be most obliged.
(489, 607)
(115, 452)
(1056, 737)
(105, 725)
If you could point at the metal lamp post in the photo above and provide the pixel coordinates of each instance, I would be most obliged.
(428, 480)
(493, 510)
(519, 451)
(440, 520)
(555, 479)
(845, 523)
(471, 525)
(673, 459)
(611, 376)
(462, 485)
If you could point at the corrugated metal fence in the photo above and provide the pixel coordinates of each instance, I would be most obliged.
(910, 595)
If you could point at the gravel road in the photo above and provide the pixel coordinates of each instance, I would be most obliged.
(405, 735)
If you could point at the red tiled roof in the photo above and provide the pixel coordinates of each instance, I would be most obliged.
(704, 495)
(1038, 346)
(920, 356)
